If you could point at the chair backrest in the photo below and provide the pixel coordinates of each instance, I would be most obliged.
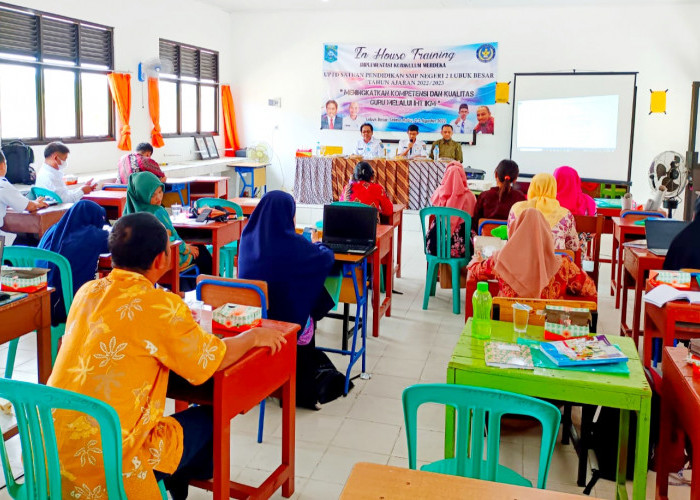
(115, 187)
(475, 406)
(37, 191)
(347, 203)
(217, 291)
(593, 225)
(33, 405)
(443, 229)
(212, 202)
(503, 307)
(20, 256)
(486, 225)
(640, 214)
(566, 253)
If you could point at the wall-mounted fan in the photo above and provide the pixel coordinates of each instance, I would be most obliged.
(152, 68)
(668, 170)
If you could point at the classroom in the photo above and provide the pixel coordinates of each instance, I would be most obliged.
(324, 249)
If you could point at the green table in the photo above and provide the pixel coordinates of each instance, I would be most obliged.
(626, 392)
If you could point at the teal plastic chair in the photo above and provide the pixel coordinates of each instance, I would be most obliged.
(20, 256)
(475, 409)
(33, 405)
(37, 191)
(443, 237)
(227, 254)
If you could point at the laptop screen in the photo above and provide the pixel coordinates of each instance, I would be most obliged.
(661, 232)
(349, 224)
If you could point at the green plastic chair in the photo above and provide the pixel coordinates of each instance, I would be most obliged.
(33, 405)
(443, 236)
(612, 191)
(21, 256)
(37, 191)
(227, 254)
(476, 408)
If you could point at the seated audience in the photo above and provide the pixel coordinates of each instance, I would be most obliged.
(452, 192)
(447, 147)
(411, 147)
(295, 271)
(369, 147)
(497, 201)
(50, 174)
(145, 194)
(79, 237)
(569, 193)
(139, 162)
(362, 188)
(11, 197)
(527, 265)
(123, 337)
(684, 252)
(542, 196)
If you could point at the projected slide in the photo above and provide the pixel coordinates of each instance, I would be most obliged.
(568, 124)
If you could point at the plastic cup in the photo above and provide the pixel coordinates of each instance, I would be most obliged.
(521, 314)
(177, 210)
(196, 309)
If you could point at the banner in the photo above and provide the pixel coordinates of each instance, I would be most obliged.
(392, 87)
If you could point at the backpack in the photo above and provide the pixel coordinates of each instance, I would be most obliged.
(19, 159)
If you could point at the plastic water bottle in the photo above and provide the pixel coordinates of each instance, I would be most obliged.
(436, 153)
(481, 319)
(318, 148)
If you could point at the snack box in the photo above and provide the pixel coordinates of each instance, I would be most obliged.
(23, 279)
(232, 319)
(563, 323)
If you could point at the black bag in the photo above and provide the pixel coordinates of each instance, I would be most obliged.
(19, 159)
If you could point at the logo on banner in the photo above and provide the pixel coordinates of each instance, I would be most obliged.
(330, 53)
(486, 53)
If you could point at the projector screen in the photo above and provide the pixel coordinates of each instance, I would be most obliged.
(581, 120)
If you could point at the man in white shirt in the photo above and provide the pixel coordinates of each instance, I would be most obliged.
(461, 125)
(369, 147)
(50, 175)
(411, 146)
(11, 197)
(354, 120)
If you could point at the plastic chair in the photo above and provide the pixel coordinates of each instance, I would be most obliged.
(37, 191)
(476, 408)
(488, 225)
(443, 237)
(33, 404)
(20, 256)
(612, 191)
(115, 187)
(640, 214)
(227, 254)
(253, 289)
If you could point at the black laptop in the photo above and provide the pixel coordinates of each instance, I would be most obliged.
(350, 229)
(660, 234)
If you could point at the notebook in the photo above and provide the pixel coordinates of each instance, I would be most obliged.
(505, 355)
(582, 351)
(666, 293)
(661, 232)
(350, 229)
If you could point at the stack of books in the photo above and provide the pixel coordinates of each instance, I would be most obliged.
(665, 293)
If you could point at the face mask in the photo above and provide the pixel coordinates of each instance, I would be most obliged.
(62, 164)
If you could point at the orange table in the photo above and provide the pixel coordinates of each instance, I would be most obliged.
(637, 264)
(212, 233)
(623, 230)
(680, 406)
(112, 201)
(247, 204)
(236, 390)
(396, 220)
(34, 222)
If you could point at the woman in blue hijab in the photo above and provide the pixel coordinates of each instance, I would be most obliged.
(79, 237)
(295, 270)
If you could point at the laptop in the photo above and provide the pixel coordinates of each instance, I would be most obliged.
(349, 229)
(660, 234)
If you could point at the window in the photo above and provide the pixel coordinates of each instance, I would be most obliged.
(53, 77)
(189, 85)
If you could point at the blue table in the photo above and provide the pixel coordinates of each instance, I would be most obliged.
(177, 185)
(251, 168)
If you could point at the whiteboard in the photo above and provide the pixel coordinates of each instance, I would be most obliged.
(584, 120)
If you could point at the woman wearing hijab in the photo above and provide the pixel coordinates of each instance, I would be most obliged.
(542, 195)
(452, 192)
(78, 237)
(362, 189)
(497, 201)
(145, 194)
(527, 265)
(684, 252)
(569, 193)
(295, 271)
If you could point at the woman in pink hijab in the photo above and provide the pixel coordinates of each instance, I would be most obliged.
(452, 192)
(569, 193)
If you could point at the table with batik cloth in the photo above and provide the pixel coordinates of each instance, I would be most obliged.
(321, 180)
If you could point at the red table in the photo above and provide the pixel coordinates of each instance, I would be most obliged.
(112, 201)
(680, 406)
(396, 220)
(623, 230)
(34, 222)
(247, 204)
(637, 264)
(217, 234)
(384, 254)
(208, 187)
(171, 278)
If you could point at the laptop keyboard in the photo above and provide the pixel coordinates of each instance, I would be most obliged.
(343, 248)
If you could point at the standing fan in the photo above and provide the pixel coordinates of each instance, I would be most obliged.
(668, 170)
(261, 152)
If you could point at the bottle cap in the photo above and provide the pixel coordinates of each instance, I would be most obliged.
(482, 286)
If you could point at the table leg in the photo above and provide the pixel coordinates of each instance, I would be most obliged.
(641, 456)
(666, 425)
(398, 245)
(638, 291)
(613, 263)
(695, 482)
(622, 296)
(222, 452)
(649, 330)
(622, 442)
(216, 249)
(376, 292)
(43, 341)
(288, 436)
(620, 265)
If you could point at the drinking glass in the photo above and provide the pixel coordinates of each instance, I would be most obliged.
(177, 210)
(521, 314)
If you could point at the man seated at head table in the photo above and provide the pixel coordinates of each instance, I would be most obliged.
(369, 147)
(50, 174)
(140, 161)
(411, 147)
(447, 147)
(11, 197)
(123, 337)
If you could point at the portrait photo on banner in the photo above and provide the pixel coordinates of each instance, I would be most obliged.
(394, 87)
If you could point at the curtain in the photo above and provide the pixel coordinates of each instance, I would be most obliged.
(154, 110)
(120, 85)
(231, 143)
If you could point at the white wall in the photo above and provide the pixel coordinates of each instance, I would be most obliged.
(137, 27)
(282, 57)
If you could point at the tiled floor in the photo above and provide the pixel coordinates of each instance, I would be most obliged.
(367, 425)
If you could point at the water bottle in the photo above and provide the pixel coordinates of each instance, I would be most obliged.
(318, 148)
(481, 318)
(436, 153)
